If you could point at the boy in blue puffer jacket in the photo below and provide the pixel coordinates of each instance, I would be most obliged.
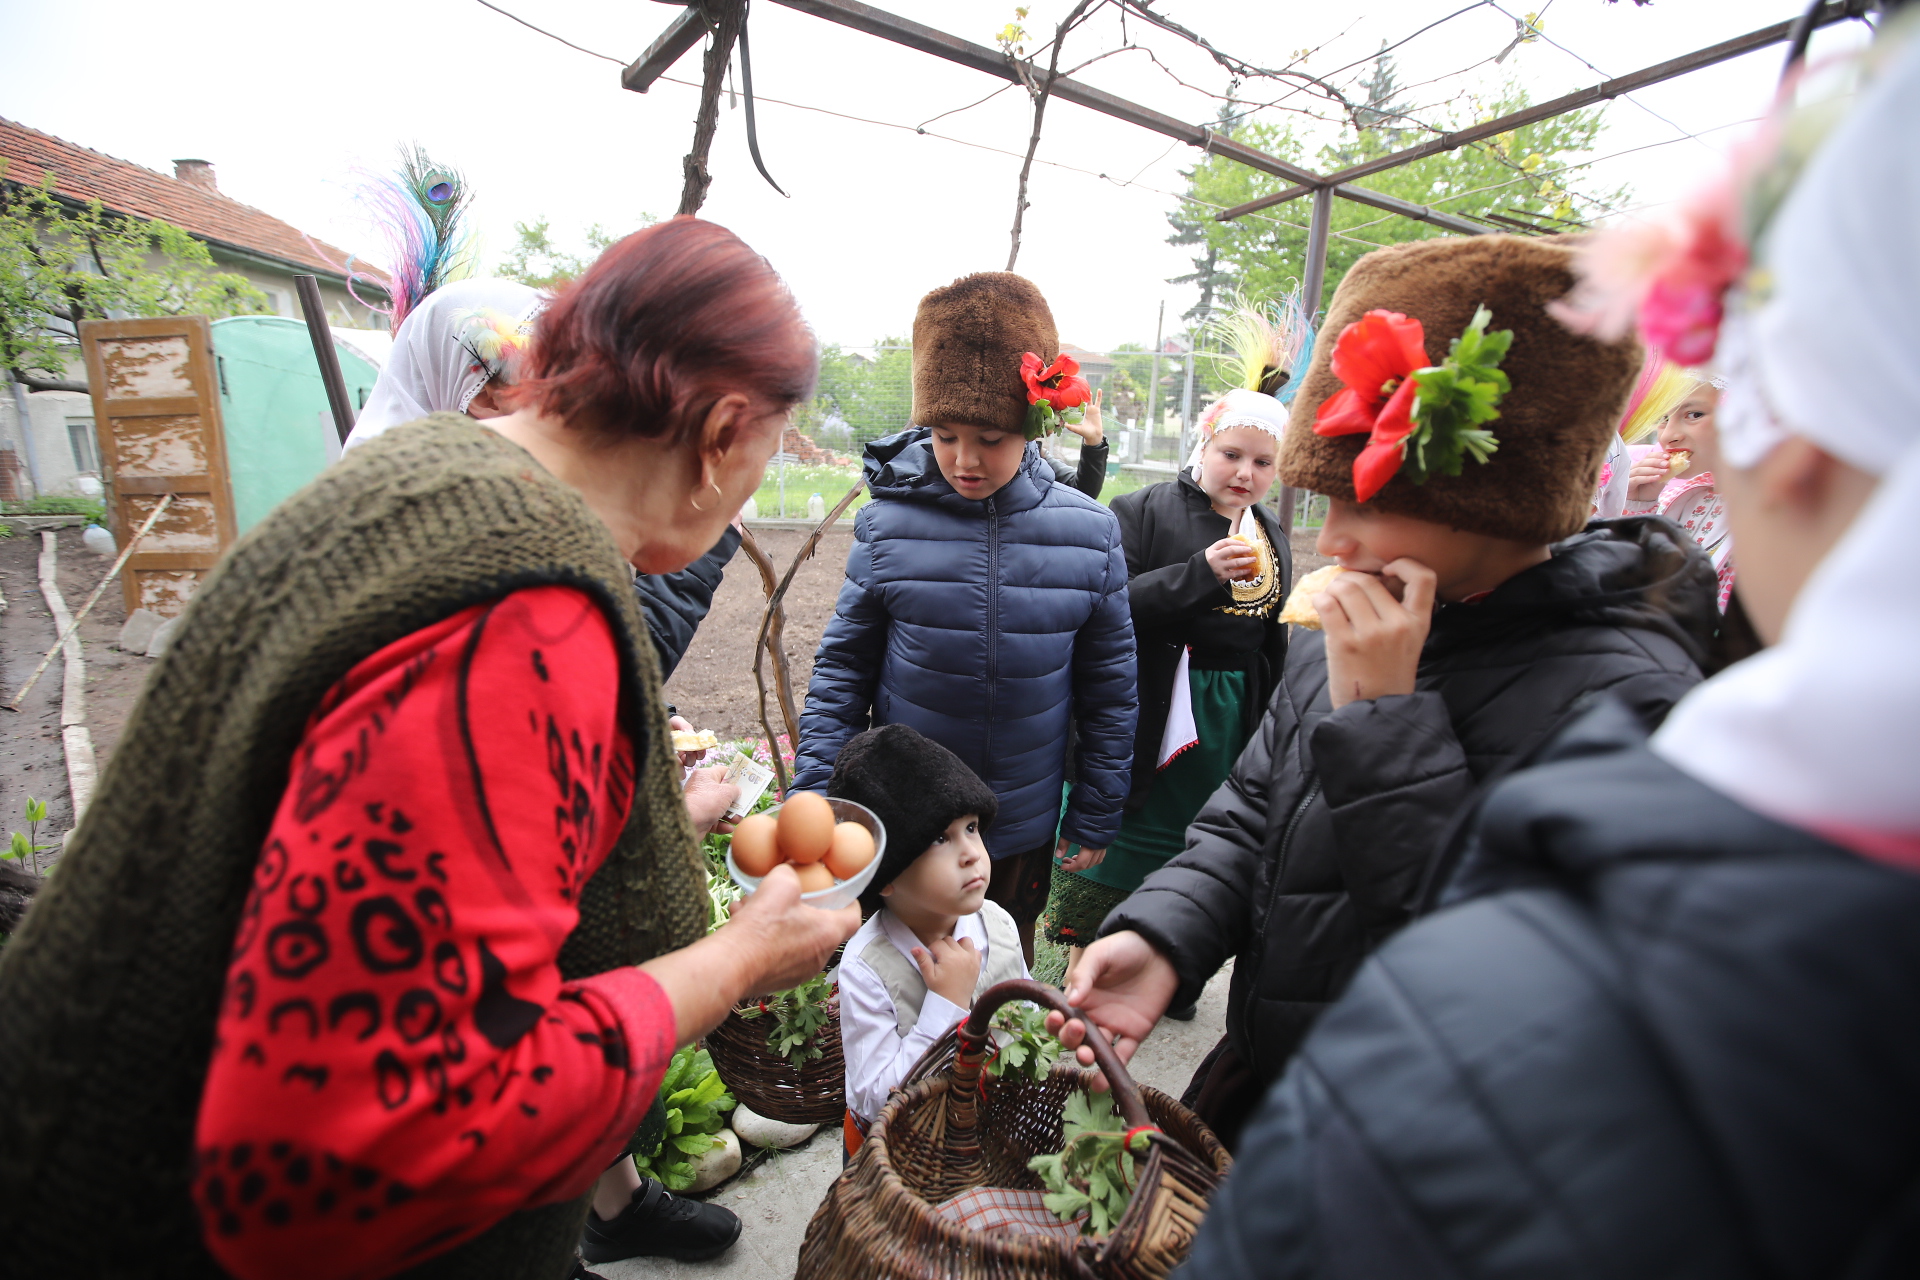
(985, 604)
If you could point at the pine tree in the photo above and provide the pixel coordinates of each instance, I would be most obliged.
(1189, 223)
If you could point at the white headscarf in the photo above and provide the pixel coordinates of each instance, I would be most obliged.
(1238, 408)
(1823, 730)
(445, 351)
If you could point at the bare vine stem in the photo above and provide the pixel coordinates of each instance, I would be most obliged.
(1039, 93)
(768, 640)
(723, 19)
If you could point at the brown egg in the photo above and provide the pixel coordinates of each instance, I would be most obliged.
(814, 876)
(806, 828)
(852, 850)
(756, 844)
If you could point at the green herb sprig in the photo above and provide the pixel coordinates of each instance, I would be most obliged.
(1452, 400)
(1096, 1170)
(799, 1015)
(1025, 1045)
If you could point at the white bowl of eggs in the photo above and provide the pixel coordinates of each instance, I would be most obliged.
(834, 845)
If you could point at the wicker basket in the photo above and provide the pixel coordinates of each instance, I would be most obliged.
(949, 1129)
(814, 1094)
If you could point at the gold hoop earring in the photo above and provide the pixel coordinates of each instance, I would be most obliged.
(716, 493)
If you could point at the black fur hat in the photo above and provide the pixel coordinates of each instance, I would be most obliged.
(915, 785)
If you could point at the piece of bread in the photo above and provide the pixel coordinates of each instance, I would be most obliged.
(694, 740)
(1299, 610)
(1679, 460)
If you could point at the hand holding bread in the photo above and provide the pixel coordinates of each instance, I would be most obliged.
(1373, 639)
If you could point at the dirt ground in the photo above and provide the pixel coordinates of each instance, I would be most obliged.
(32, 761)
(713, 686)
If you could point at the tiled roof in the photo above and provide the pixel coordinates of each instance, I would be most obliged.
(128, 188)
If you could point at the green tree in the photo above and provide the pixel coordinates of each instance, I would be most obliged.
(1514, 174)
(874, 397)
(535, 260)
(61, 264)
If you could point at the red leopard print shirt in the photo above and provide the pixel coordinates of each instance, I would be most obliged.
(398, 1065)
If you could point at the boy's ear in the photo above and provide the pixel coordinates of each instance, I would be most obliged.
(886, 890)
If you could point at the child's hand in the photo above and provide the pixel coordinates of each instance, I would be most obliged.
(951, 969)
(1088, 428)
(1374, 640)
(1229, 559)
(1648, 477)
(1080, 861)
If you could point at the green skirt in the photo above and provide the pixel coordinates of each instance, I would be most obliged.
(1158, 829)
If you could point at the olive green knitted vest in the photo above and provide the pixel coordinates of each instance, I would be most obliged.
(109, 992)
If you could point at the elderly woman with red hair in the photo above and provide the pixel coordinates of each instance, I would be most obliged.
(372, 949)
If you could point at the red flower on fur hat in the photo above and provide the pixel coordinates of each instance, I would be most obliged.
(1423, 417)
(1058, 384)
(1376, 356)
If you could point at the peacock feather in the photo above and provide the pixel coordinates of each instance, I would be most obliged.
(420, 210)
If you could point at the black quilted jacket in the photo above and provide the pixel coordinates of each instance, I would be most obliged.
(1314, 850)
(1669, 1038)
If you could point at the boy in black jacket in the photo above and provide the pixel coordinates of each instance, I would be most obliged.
(1473, 619)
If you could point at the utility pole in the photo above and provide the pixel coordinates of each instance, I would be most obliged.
(1186, 399)
(1153, 383)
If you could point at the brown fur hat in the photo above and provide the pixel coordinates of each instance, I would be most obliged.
(1568, 391)
(968, 338)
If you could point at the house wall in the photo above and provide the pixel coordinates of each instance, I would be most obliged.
(277, 283)
(43, 445)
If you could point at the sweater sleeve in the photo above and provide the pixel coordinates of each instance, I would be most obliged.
(398, 1063)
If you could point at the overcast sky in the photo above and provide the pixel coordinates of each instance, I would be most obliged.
(286, 100)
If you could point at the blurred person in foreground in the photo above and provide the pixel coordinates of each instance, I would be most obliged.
(1668, 1028)
(375, 942)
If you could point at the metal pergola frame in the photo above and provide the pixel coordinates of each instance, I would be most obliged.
(691, 26)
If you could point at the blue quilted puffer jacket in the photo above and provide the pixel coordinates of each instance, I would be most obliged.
(990, 627)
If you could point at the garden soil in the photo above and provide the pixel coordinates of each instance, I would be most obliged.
(713, 686)
(32, 759)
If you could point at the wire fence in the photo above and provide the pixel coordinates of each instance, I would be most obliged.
(1149, 402)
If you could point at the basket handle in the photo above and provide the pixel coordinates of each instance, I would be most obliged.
(976, 1041)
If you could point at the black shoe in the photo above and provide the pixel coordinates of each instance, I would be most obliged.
(1184, 1013)
(580, 1271)
(659, 1224)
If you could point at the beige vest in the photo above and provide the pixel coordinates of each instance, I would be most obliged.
(908, 990)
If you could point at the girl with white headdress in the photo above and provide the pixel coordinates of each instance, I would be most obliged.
(1208, 570)
(455, 351)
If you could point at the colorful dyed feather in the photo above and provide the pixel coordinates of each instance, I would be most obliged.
(419, 208)
(1264, 346)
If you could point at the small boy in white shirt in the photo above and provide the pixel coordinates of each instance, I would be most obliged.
(933, 941)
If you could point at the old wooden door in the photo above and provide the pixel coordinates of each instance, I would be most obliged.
(156, 409)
